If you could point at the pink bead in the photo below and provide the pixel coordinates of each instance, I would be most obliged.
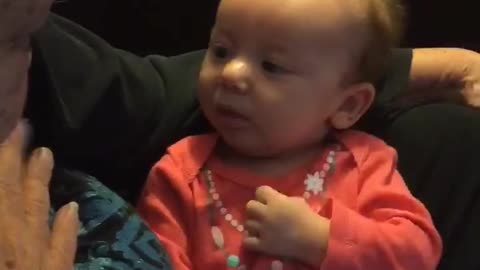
(277, 265)
(217, 237)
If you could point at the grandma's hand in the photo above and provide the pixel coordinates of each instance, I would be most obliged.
(26, 241)
(471, 80)
(445, 74)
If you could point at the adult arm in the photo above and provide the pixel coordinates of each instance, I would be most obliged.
(105, 111)
(112, 114)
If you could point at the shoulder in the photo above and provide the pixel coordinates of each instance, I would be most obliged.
(364, 147)
(184, 159)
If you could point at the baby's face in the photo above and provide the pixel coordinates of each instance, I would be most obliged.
(273, 72)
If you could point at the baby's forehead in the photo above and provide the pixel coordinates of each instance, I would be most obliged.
(313, 18)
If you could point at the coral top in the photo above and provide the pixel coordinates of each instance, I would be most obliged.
(375, 222)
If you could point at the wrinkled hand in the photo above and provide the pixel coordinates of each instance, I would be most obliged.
(284, 226)
(26, 242)
(446, 74)
(471, 80)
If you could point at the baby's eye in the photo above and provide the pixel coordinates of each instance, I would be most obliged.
(220, 52)
(272, 68)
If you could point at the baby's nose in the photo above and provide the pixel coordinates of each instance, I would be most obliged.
(236, 75)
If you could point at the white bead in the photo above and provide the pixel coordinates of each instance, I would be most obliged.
(218, 204)
(215, 196)
(212, 191)
(223, 210)
(277, 265)
(234, 223)
(240, 228)
(326, 167)
(212, 184)
(228, 217)
(322, 174)
(306, 195)
(217, 236)
(330, 160)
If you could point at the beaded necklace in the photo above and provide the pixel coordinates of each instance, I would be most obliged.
(314, 185)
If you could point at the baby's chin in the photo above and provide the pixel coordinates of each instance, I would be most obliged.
(247, 146)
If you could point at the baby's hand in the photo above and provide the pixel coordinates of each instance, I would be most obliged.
(286, 227)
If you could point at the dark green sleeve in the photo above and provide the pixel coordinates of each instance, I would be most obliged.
(393, 84)
(112, 114)
(105, 111)
(396, 77)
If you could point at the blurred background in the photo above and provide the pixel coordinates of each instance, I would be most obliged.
(178, 26)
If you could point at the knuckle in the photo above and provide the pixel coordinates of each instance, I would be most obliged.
(36, 207)
(8, 189)
(261, 190)
(250, 204)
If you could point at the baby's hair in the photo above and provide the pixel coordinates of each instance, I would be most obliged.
(384, 30)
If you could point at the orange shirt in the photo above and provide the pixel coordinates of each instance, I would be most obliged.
(375, 222)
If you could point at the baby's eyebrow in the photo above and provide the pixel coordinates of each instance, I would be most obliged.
(278, 47)
(216, 30)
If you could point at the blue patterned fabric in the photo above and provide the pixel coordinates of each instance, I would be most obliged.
(112, 236)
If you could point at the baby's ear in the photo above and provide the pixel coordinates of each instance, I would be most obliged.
(354, 102)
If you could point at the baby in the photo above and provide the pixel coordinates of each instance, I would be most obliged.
(284, 183)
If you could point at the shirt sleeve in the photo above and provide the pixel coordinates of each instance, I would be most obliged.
(388, 229)
(161, 206)
(397, 76)
(388, 89)
(106, 111)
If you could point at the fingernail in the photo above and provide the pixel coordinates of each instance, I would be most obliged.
(44, 155)
(72, 209)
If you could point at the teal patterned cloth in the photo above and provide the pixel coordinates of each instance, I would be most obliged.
(112, 236)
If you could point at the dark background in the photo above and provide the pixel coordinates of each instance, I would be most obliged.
(177, 26)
